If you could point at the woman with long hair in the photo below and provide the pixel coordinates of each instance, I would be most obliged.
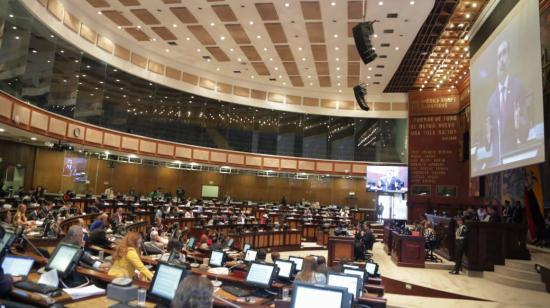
(194, 292)
(126, 258)
(20, 218)
(309, 272)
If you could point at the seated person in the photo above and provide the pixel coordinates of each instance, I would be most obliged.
(261, 255)
(321, 265)
(99, 238)
(34, 214)
(155, 245)
(100, 222)
(194, 292)
(177, 246)
(204, 242)
(75, 236)
(309, 274)
(6, 281)
(20, 217)
(126, 258)
(275, 256)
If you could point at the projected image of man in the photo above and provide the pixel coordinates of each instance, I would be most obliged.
(507, 125)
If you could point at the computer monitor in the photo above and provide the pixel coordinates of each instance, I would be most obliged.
(371, 268)
(7, 240)
(353, 283)
(16, 265)
(250, 255)
(64, 258)
(359, 272)
(352, 266)
(166, 281)
(305, 295)
(286, 268)
(260, 275)
(246, 247)
(191, 243)
(298, 261)
(217, 258)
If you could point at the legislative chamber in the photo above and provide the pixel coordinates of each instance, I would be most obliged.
(292, 153)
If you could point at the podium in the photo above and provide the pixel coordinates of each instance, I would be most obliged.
(340, 248)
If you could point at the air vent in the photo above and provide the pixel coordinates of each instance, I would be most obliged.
(380, 66)
(173, 43)
(382, 56)
(377, 75)
(385, 45)
(272, 79)
(391, 15)
(206, 57)
(237, 72)
(388, 30)
(376, 82)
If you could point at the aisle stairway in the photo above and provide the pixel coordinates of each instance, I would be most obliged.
(518, 274)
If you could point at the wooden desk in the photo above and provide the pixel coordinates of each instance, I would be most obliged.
(340, 248)
(67, 223)
(387, 240)
(408, 250)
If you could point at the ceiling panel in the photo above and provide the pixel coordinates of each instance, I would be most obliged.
(319, 52)
(267, 11)
(224, 12)
(276, 33)
(324, 81)
(296, 81)
(353, 55)
(184, 15)
(291, 68)
(145, 16)
(117, 18)
(315, 32)
(218, 54)
(129, 2)
(251, 53)
(311, 10)
(285, 53)
(164, 33)
(354, 68)
(138, 34)
(260, 68)
(355, 9)
(322, 68)
(202, 35)
(98, 3)
(353, 81)
(237, 32)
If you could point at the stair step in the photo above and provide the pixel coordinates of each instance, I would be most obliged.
(520, 264)
(531, 275)
(514, 282)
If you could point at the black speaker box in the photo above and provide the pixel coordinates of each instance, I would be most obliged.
(360, 91)
(361, 34)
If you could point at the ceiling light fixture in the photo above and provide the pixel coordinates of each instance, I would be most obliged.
(380, 2)
(287, 4)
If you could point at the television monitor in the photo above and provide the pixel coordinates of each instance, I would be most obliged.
(298, 261)
(75, 167)
(305, 295)
(353, 283)
(357, 272)
(210, 191)
(191, 242)
(392, 179)
(165, 281)
(246, 247)
(371, 268)
(64, 259)
(7, 240)
(286, 268)
(506, 83)
(260, 275)
(217, 258)
(250, 255)
(17, 265)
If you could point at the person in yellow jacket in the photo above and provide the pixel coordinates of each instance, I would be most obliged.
(126, 258)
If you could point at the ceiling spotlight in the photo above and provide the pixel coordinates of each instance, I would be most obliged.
(251, 22)
(222, 38)
(258, 36)
(333, 3)
(175, 25)
(396, 48)
(2, 130)
(99, 12)
(335, 35)
(411, 2)
(380, 2)
(33, 138)
(287, 4)
(198, 50)
(212, 24)
(187, 38)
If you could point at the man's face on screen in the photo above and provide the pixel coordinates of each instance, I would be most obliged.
(503, 56)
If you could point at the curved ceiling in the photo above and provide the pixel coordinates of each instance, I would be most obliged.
(303, 47)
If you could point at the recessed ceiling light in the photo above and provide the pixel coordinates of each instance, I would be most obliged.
(276, 68)
(333, 3)
(187, 38)
(335, 35)
(411, 2)
(198, 50)
(337, 59)
(258, 36)
(239, 59)
(167, 50)
(208, 60)
(338, 68)
(11, 15)
(474, 4)
(338, 76)
(99, 12)
(467, 15)
(265, 48)
(370, 68)
(287, 4)
(299, 48)
(280, 76)
(396, 48)
(231, 49)
(17, 37)
(252, 76)
(33, 138)
(338, 84)
(251, 22)
(284, 83)
(340, 91)
(139, 27)
(2, 130)
(336, 48)
(222, 38)
(217, 69)
(311, 83)
(375, 35)
(212, 24)
(303, 59)
(380, 2)
(270, 59)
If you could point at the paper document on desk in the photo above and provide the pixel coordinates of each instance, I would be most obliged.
(77, 293)
(50, 278)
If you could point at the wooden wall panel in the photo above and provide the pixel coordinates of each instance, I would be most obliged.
(236, 159)
(130, 143)
(58, 127)
(147, 146)
(306, 165)
(72, 128)
(39, 120)
(339, 167)
(21, 114)
(218, 157)
(183, 152)
(165, 149)
(112, 140)
(5, 107)
(289, 163)
(94, 136)
(14, 154)
(253, 160)
(324, 167)
(200, 154)
(271, 162)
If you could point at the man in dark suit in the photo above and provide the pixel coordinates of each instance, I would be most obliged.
(507, 123)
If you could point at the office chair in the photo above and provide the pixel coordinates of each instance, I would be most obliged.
(430, 247)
